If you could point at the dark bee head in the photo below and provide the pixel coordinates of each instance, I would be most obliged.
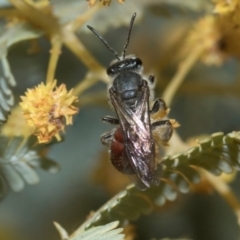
(125, 72)
(127, 64)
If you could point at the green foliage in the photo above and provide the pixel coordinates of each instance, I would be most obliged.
(18, 32)
(218, 153)
(19, 157)
(105, 232)
(6, 83)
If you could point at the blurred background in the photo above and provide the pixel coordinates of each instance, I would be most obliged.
(207, 102)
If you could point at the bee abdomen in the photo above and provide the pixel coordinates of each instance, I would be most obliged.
(117, 149)
(118, 156)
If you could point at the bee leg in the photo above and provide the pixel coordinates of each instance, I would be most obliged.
(158, 105)
(151, 79)
(106, 138)
(163, 129)
(111, 120)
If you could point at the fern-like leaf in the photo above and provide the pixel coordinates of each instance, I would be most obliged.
(6, 83)
(18, 159)
(218, 153)
(106, 232)
(10, 36)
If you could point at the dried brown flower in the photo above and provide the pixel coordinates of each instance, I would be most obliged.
(47, 108)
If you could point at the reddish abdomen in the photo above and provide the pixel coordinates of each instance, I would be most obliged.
(119, 158)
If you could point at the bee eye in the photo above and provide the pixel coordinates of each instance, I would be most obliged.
(110, 71)
(138, 62)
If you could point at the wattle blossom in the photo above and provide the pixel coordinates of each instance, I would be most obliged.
(47, 109)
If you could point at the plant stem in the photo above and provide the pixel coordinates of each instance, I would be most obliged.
(49, 24)
(90, 79)
(178, 78)
(9, 12)
(63, 233)
(79, 21)
(55, 53)
(76, 46)
(99, 98)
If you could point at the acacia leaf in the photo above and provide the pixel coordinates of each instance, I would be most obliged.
(8, 37)
(6, 83)
(19, 158)
(216, 154)
(105, 232)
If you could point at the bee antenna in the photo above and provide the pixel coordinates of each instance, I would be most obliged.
(129, 34)
(104, 42)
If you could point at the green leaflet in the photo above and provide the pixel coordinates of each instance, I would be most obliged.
(218, 153)
(106, 232)
(7, 81)
(10, 36)
(19, 157)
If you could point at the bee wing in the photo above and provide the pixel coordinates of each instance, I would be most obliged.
(139, 144)
(137, 182)
(140, 150)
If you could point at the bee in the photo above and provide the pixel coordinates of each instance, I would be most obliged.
(132, 145)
